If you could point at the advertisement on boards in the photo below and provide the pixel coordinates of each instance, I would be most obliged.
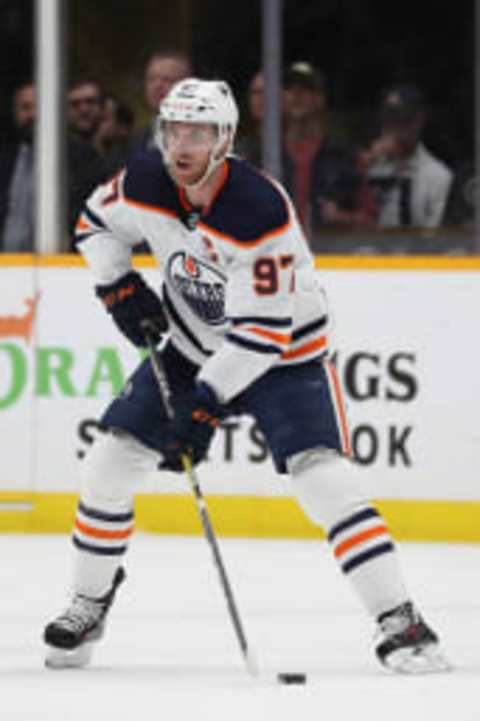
(402, 344)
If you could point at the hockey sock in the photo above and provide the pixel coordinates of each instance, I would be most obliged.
(329, 490)
(366, 553)
(100, 540)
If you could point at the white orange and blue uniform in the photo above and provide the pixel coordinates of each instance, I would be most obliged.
(246, 313)
(247, 316)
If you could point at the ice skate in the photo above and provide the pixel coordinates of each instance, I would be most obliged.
(71, 636)
(409, 646)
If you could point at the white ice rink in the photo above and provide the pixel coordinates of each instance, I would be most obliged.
(170, 653)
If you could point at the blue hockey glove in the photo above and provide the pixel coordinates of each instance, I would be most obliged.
(196, 417)
(131, 303)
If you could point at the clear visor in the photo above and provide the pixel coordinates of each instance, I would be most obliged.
(178, 135)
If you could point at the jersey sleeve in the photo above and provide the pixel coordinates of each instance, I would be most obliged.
(106, 231)
(259, 307)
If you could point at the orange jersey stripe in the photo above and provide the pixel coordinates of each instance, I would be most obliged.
(309, 347)
(152, 208)
(271, 335)
(244, 243)
(359, 538)
(203, 226)
(340, 407)
(100, 533)
(82, 224)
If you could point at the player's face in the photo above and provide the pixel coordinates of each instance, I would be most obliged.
(189, 147)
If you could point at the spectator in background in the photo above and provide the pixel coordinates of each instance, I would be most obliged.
(85, 109)
(114, 133)
(17, 176)
(85, 166)
(249, 143)
(163, 69)
(411, 185)
(321, 170)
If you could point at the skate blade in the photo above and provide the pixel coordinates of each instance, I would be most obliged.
(57, 658)
(428, 659)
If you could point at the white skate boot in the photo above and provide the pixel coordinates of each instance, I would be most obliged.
(71, 635)
(409, 646)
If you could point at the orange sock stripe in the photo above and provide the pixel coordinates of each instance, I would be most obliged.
(340, 407)
(359, 538)
(100, 533)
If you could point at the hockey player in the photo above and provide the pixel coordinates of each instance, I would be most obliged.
(247, 333)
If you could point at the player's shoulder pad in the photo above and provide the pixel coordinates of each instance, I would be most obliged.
(250, 207)
(147, 181)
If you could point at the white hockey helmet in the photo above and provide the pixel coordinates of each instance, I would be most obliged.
(200, 101)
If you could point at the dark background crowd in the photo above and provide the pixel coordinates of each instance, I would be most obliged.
(378, 109)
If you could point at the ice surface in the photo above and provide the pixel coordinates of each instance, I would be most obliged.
(170, 652)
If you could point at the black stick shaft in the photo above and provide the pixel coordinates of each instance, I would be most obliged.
(162, 381)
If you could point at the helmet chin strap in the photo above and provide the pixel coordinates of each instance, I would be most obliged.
(213, 163)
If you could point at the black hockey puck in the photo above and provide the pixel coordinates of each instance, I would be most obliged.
(290, 678)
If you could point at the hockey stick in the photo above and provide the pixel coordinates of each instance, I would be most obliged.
(162, 382)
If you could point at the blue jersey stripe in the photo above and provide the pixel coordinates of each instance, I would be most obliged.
(81, 236)
(252, 345)
(261, 320)
(94, 218)
(309, 328)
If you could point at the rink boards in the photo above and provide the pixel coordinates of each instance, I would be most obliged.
(407, 354)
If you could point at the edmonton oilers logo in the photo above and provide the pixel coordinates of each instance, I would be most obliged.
(201, 286)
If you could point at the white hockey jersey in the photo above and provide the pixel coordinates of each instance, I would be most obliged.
(238, 281)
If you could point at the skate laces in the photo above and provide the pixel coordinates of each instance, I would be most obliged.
(82, 613)
(398, 621)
